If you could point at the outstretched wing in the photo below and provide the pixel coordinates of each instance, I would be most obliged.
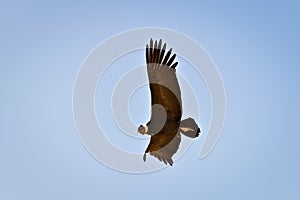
(164, 144)
(165, 91)
(162, 80)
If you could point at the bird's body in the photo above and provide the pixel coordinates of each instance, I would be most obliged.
(165, 123)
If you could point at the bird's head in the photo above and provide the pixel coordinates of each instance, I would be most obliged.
(143, 129)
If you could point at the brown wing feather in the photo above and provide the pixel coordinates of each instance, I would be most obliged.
(165, 144)
(164, 85)
(166, 153)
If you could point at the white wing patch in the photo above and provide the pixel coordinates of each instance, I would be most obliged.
(186, 129)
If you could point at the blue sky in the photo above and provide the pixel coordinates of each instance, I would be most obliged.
(255, 46)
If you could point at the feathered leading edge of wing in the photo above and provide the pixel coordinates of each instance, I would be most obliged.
(165, 91)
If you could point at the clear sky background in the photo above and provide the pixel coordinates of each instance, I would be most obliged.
(255, 46)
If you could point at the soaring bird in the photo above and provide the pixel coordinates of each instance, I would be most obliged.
(165, 125)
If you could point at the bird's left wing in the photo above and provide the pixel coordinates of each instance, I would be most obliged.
(163, 82)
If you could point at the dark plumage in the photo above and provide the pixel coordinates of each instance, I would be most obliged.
(165, 123)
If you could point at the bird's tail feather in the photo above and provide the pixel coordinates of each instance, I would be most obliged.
(189, 128)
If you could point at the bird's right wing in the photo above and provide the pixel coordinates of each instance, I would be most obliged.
(165, 144)
(165, 154)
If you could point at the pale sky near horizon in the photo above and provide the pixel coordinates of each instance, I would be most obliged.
(255, 46)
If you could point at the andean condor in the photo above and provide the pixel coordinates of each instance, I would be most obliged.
(165, 124)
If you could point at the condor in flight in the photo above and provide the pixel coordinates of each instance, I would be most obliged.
(165, 125)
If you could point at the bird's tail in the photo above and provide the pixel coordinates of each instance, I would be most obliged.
(189, 128)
